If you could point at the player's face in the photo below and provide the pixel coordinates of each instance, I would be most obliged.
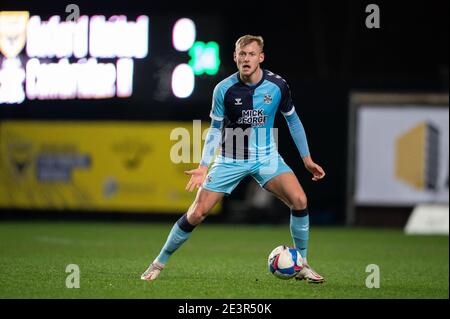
(248, 58)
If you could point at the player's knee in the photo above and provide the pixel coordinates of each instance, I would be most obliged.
(299, 202)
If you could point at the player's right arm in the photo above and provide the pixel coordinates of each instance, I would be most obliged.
(213, 139)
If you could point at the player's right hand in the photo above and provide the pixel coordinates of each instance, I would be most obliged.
(198, 176)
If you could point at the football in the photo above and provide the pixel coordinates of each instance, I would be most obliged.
(285, 262)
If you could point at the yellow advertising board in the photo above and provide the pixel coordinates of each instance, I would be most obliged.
(111, 166)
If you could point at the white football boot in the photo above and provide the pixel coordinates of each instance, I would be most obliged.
(152, 271)
(308, 274)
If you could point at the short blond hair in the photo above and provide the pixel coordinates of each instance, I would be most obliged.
(248, 38)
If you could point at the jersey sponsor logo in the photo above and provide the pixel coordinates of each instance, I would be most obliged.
(253, 117)
(238, 101)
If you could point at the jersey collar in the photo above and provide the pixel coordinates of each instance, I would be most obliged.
(255, 85)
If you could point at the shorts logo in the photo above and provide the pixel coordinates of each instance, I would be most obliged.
(208, 179)
(238, 101)
(267, 99)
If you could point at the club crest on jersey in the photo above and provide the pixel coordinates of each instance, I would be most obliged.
(238, 101)
(267, 99)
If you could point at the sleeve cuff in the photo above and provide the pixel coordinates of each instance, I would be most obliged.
(214, 117)
(290, 112)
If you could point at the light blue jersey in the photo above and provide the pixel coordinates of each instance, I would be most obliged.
(248, 114)
(242, 122)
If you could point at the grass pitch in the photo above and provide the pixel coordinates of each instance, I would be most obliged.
(218, 261)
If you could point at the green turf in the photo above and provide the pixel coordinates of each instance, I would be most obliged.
(218, 261)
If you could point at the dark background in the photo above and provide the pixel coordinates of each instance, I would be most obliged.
(321, 48)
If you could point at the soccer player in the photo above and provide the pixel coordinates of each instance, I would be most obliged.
(244, 106)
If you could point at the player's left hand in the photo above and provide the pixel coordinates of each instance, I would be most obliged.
(315, 169)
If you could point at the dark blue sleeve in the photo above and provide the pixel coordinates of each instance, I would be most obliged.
(286, 105)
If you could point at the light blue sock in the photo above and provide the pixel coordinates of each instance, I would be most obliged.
(300, 230)
(180, 232)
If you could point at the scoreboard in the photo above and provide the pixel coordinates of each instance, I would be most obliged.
(140, 57)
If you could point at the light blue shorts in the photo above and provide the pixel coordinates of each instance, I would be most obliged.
(226, 173)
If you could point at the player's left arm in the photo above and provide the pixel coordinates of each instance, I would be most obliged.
(299, 136)
(298, 133)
